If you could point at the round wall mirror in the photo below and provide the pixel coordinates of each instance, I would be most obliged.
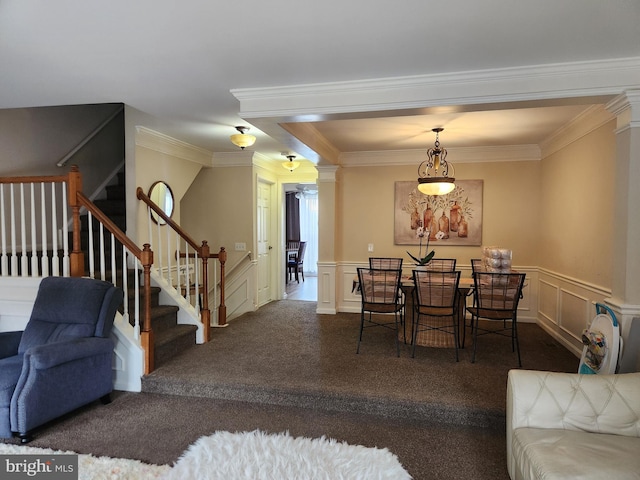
(160, 193)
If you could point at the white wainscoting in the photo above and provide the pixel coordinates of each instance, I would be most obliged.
(566, 306)
(241, 291)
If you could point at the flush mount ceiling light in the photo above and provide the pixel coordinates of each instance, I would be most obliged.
(433, 173)
(243, 139)
(290, 164)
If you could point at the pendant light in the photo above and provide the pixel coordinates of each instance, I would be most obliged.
(433, 173)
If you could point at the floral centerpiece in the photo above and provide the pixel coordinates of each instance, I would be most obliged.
(420, 260)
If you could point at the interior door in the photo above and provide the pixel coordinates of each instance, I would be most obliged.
(265, 243)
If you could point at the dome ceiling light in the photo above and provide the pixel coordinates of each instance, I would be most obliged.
(290, 164)
(243, 139)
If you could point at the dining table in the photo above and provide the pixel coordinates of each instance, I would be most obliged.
(435, 338)
(432, 338)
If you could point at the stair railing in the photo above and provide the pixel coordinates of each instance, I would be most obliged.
(183, 264)
(31, 210)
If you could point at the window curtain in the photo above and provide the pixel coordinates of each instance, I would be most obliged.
(309, 231)
(292, 217)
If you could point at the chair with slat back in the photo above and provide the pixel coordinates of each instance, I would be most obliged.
(385, 263)
(496, 300)
(379, 293)
(476, 265)
(391, 263)
(435, 305)
(441, 265)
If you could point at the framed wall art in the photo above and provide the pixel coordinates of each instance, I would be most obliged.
(452, 219)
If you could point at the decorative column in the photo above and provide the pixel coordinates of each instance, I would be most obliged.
(625, 288)
(327, 264)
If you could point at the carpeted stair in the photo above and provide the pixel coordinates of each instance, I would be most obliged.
(171, 338)
(285, 354)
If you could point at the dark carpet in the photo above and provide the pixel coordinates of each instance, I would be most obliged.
(285, 368)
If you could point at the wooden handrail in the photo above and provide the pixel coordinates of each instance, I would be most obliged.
(143, 196)
(204, 254)
(37, 179)
(145, 256)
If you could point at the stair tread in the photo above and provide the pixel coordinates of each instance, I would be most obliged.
(168, 335)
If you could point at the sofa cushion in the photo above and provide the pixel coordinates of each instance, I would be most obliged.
(552, 454)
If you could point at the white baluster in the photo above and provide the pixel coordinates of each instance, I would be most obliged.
(44, 260)
(24, 261)
(14, 258)
(34, 235)
(179, 267)
(125, 285)
(136, 297)
(54, 231)
(196, 267)
(92, 269)
(103, 275)
(65, 233)
(113, 259)
(169, 272)
(4, 263)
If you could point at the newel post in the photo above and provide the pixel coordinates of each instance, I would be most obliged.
(222, 309)
(76, 258)
(205, 313)
(146, 335)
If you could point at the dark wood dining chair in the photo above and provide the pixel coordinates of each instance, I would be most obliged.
(295, 265)
(496, 300)
(379, 294)
(435, 305)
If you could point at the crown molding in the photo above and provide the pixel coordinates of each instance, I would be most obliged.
(241, 158)
(603, 78)
(589, 120)
(455, 155)
(159, 142)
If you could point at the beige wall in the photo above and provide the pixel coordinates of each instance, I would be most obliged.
(219, 208)
(510, 215)
(577, 209)
(151, 166)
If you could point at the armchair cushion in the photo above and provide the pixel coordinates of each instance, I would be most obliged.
(70, 308)
(9, 342)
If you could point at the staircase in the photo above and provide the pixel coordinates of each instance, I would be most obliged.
(171, 338)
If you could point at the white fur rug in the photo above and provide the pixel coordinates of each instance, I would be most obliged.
(97, 468)
(245, 456)
(258, 456)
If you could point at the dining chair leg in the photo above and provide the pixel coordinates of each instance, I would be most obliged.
(414, 334)
(397, 332)
(361, 328)
(474, 333)
(456, 326)
(515, 336)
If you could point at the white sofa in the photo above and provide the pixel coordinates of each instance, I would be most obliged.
(571, 426)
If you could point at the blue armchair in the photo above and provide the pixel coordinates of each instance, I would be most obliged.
(63, 359)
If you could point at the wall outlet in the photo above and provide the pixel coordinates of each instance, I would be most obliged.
(241, 246)
(370, 247)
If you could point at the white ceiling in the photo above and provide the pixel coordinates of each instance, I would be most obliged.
(179, 61)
